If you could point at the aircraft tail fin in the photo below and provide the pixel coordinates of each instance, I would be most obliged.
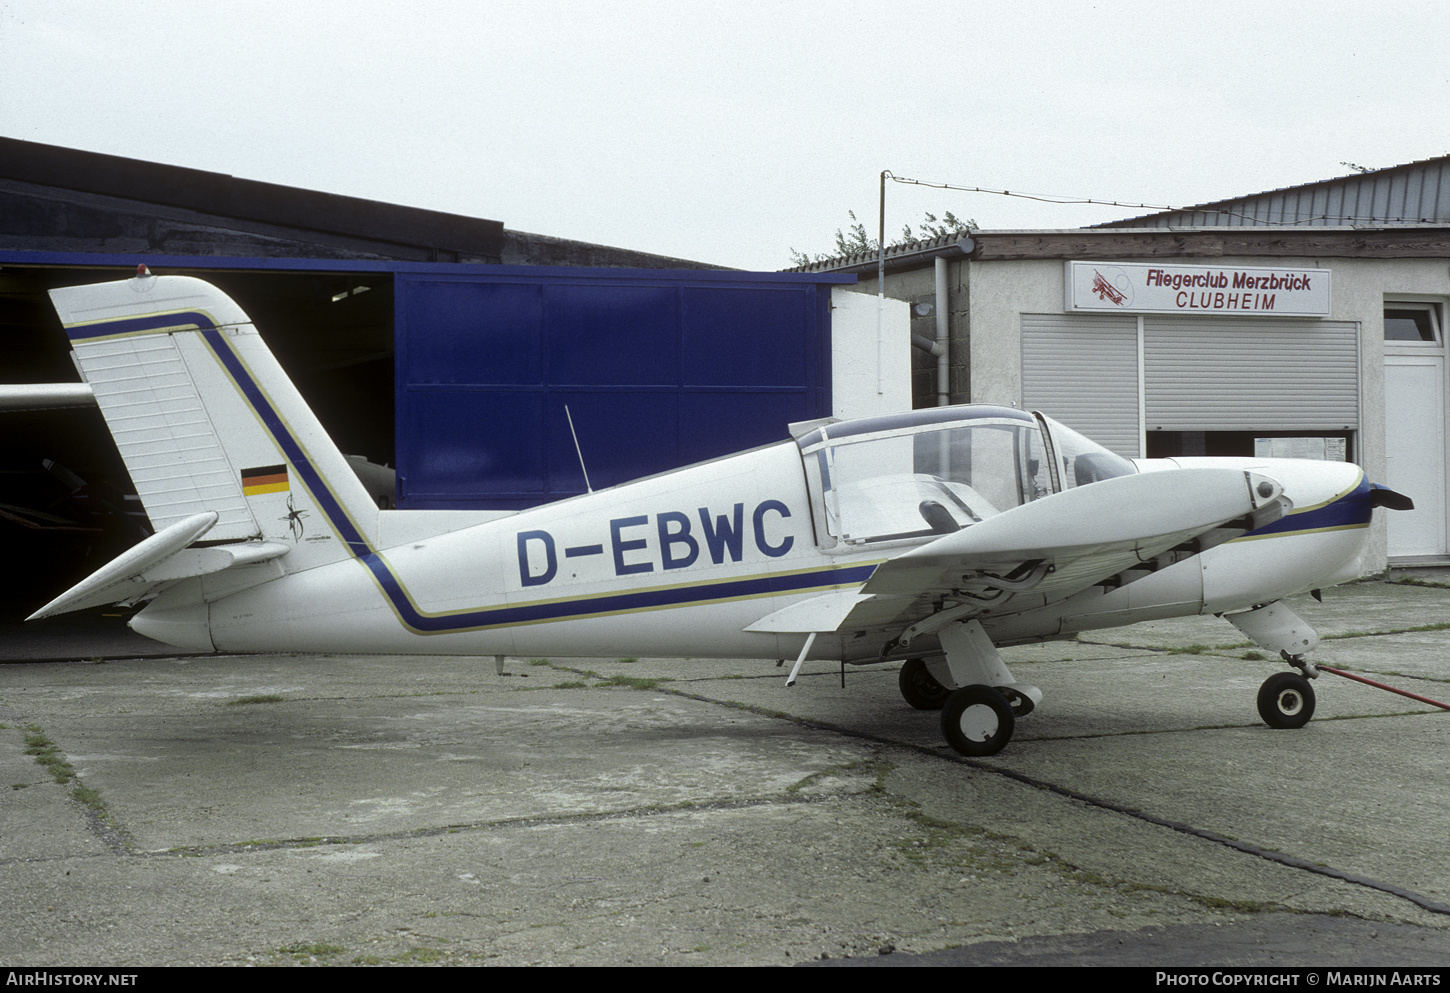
(207, 421)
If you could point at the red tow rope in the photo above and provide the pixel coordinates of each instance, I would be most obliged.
(1371, 682)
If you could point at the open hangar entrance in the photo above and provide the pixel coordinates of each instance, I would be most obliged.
(66, 502)
(335, 284)
(458, 375)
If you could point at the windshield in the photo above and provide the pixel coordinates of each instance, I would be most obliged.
(911, 480)
(1080, 460)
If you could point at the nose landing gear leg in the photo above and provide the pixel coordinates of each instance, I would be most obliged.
(1286, 700)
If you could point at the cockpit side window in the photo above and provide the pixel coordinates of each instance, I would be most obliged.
(922, 481)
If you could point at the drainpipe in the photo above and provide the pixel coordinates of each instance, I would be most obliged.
(943, 366)
(939, 346)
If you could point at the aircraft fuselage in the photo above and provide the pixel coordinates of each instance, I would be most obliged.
(608, 573)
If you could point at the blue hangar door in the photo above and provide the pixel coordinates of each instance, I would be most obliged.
(658, 369)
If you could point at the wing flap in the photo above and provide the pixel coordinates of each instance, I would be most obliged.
(820, 614)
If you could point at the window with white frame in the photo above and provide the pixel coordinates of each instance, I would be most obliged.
(1412, 322)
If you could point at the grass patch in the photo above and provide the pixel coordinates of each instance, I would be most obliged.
(257, 698)
(423, 955)
(303, 951)
(1438, 626)
(46, 754)
(879, 768)
(573, 684)
(89, 797)
(634, 682)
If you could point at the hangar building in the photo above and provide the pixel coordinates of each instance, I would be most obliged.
(452, 348)
(1306, 321)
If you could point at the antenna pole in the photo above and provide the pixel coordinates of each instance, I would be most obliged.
(577, 450)
(881, 282)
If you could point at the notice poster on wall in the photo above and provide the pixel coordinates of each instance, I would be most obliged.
(1323, 449)
(1149, 288)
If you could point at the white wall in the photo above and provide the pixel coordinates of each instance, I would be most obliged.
(857, 352)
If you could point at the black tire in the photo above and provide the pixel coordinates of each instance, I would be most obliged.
(1286, 700)
(977, 721)
(919, 687)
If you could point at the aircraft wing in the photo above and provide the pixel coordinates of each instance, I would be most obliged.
(1047, 550)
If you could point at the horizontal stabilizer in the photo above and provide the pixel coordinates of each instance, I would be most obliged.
(46, 396)
(160, 560)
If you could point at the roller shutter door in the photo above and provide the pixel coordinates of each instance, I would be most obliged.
(1204, 374)
(1083, 370)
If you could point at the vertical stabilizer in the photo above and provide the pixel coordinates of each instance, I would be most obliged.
(207, 421)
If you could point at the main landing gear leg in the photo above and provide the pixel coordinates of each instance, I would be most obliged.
(1286, 700)
(978, 716)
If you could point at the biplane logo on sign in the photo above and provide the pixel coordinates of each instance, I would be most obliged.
(1148, 288)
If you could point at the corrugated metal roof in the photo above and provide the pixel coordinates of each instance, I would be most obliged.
(1413, 193)
(897, 256)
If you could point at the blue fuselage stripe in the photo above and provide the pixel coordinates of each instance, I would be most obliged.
(634, 600)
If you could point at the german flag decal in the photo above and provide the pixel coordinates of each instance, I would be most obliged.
(266, 479)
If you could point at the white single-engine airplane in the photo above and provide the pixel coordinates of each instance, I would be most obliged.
(930, 536)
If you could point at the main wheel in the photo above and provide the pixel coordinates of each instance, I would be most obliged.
(977, 720)
(1286, 700)
(919, 687)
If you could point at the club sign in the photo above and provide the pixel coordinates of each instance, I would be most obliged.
(1152, 288)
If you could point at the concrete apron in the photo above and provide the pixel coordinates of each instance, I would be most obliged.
(386, 809)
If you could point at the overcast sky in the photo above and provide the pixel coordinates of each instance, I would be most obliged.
(731, 132)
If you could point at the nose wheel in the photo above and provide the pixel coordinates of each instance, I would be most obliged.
(1286, 700)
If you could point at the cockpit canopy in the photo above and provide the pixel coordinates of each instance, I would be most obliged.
(919, 474)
